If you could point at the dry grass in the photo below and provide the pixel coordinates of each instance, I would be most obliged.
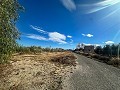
(34, 72)
(105, 59)
(65, 58)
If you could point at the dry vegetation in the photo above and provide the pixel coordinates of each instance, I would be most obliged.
(105, 59)
(44, 71)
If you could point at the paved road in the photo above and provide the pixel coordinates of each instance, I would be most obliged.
(94, 75)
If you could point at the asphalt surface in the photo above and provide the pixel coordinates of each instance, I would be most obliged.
(94, 75)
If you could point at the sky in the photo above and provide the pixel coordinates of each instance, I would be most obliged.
(65, 23)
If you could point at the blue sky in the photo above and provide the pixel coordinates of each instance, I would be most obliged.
(65, 23)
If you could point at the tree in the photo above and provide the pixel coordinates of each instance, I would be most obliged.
(107, 50)
(9, 13)
(98, 50)
(114, 50)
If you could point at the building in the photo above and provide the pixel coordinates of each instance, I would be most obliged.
(85, 48)
(89, 49)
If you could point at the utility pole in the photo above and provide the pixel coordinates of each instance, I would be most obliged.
(111, 51)
(118, 50)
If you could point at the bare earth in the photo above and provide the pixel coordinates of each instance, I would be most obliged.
(34, 72)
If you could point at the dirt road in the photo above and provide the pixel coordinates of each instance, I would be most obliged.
(94, 75)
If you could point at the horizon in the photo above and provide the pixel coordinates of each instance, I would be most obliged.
(65, 23)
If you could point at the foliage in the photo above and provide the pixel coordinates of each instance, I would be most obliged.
(99, 50)
(107, 50)
(9, 10)
(36, 49)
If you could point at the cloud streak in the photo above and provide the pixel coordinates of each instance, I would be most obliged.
(38, 29)
(37, 37)
(91, 8)
(69, 4)
(52, 36)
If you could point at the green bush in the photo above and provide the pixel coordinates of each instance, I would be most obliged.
(8, 32)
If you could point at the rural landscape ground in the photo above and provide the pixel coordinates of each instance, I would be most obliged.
(57, 71)
(36, 72)
(59, 45)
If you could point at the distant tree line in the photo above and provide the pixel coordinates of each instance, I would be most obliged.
(36, 49)
(107, 50)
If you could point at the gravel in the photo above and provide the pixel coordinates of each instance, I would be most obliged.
(93, 75)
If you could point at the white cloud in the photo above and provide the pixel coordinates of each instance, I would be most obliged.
(57, 37)
(69, 4)
(52, 36)
(37, 37)
(95, 45)
(69, 36)
(91, 8)
(38, 29)
(86, 44)
(87, 35)
(109, 42)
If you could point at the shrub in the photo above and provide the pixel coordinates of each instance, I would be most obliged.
(114, 62)
(101, 58)
(65, 59)
(104, 59)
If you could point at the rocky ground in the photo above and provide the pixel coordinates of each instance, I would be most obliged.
(45, 71)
